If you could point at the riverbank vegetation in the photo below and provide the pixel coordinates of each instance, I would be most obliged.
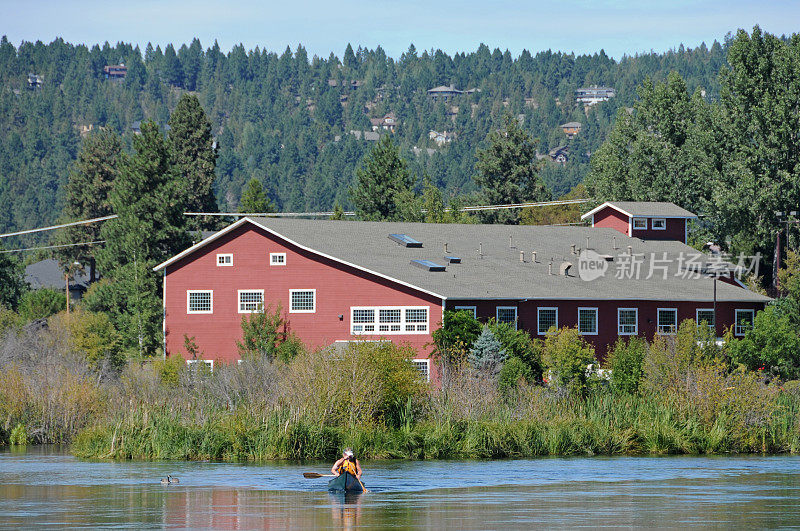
(679, 394)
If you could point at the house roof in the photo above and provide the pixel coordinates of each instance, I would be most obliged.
(49, 274)
(571, 124)
(653, 209)
(498, 274)
(442, 88)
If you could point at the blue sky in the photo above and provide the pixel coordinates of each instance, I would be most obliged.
(617, 26)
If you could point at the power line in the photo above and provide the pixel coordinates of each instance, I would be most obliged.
(84, 222)
(350, 213)
(50, 247)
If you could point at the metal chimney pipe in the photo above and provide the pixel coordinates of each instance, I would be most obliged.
(572, 248)
(550, 268)
(510, 242)
(480, 249)
(630, 250)
(445, 247)
(522, 256)
(587, 242)
(533, 256)
(614, 242)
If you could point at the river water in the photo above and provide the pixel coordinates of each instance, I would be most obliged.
(46, 487)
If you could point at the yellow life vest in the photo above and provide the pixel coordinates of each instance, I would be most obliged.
(348, 466)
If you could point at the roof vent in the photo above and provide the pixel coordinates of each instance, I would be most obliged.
(405, 240)
(427, 265)
(452, 259)
(565, 268)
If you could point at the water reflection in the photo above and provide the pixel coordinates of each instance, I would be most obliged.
(51, 489)
(346, 508)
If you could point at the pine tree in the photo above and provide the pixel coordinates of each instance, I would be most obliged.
(254, 199)
(90, 181)
(195, 157)
(487, 353)
(12, 281)
(508, 171)
(380, 180)
(149, 229)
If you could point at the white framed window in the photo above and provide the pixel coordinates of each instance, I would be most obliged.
(302, 300)
(667, 320)
(196, 363)
(506, 314)
(706, 315)
(389, 320)
(199, 301)
(744, 321)
(473, 309)
(251, 300)
(640, 223)
(225, 260)
(627, 321)
(546, 318)
(587, 321)
(423, 366)
(658, 224)
(277, 259)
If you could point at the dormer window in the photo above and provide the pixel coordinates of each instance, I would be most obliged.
(640, 223)
(658, 224)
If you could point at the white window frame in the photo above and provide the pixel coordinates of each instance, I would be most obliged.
(653, 223)
(635, 324)
(516, 314)
(697, 319)
(539, 331)
(210, 363)
(376, 331)
(239, 299)
(277, 256)
(737, 331)
(473, 308)
(635, 220)
(658, 321)
(224, 256)
(427, 371)
(596, 320)
(189, 292)
(313, 300)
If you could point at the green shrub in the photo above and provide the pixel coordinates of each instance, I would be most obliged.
(41, 304)
(773, 344)
(19, 435)
(519, 344)
(265, 334)
(453, 340)
(169, 370)
(514, 372)
(567, 354)
(625, 360)
(93, 336)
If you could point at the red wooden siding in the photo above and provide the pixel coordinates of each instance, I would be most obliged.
(675, 231)
(338, 287)
(612, 219)
(606, 315)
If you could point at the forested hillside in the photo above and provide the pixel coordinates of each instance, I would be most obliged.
(285, 118)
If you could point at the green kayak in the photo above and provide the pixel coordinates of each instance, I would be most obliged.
(346, 482)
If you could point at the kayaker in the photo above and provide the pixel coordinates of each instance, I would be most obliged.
(348, 463)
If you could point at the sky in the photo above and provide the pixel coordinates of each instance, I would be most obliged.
(324, 26)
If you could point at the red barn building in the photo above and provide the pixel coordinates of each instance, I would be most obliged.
(353, 280)
(646, 220)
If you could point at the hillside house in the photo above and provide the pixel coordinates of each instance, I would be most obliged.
(445, 94)
(571, 128)
(49, 274)
(387, 123)
(117, 72)
(35, 81)
(594, 94)
(441, 138)
(352, 281)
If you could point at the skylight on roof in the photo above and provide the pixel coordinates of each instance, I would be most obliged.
(452, 259)
(405, 240)
(427, 265)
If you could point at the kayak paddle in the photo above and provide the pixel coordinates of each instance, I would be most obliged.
(314, 475)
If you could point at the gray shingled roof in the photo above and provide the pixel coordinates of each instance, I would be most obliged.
(500, 274)
(49, 274)
(652, 208)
